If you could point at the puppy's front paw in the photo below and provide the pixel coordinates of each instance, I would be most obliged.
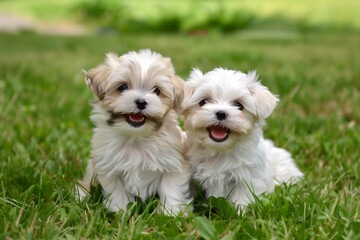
(113, 206)
(175, 210)
(80, 192)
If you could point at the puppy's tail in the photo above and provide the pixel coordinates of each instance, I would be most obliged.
(283, 166)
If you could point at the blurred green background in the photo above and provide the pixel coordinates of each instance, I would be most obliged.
(307, 52)
(187, 15)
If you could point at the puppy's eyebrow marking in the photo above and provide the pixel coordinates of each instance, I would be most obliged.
(113, 117)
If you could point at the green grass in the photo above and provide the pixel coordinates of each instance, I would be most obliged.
(46, 132)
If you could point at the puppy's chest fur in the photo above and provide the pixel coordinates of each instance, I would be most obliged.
(220, 172)
(139, 163)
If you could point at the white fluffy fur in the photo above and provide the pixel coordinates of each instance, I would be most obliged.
(224, 169)
(140, 161)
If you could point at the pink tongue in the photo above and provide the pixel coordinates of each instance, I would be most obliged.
(218, 132)
(137, 117)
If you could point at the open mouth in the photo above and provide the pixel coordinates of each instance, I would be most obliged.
(135, 119)
(218, 133)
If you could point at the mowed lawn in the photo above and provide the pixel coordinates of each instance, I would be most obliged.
(45, 137)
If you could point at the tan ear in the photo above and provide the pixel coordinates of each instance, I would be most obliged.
(167, 62)
(97, 79)
(265, 101)
(189, 89)
(178, 84)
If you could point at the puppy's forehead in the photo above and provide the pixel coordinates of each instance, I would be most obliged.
(225, 84)
(144, 64)
(144, 69)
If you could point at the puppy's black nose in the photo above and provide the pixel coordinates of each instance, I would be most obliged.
(221, 115)
(141, 103)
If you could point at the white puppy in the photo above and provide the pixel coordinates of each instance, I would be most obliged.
(137, 146)
(224, 113)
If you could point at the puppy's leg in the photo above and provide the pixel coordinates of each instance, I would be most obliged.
(174, 192)
(118, 197)
(83, 186)
(283, 166)
(241, 195)
(244, 193)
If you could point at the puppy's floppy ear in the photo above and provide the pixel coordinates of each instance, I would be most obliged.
(178, 85)
(189, 89)
(195, 76)
(265, 101)
(178, 96)
(97, 78)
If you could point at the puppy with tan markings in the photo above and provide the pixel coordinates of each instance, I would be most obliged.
(137, 146)
(224, 112)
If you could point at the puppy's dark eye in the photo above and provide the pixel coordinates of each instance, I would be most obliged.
(239, 105)
(123, 88)
(203, 102)
(157, 91)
